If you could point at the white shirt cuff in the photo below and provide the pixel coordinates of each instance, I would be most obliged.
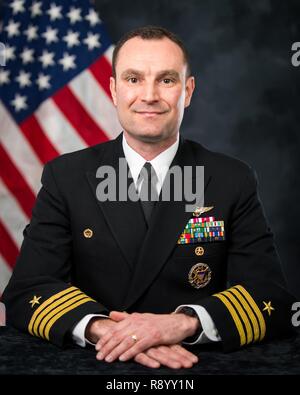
(209, 333)
(78, 333)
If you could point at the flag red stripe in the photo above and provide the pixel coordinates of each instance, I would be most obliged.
(78, 117)
(16, 183)
(8, 248)
(102, 70)
(38, 140)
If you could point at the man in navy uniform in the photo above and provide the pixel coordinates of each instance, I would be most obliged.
(140, 279)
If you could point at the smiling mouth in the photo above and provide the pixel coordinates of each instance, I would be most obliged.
(149, 113)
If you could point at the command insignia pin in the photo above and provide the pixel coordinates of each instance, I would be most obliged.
(35, 301)
(199, 251)
(268, 307)
(88, 233)
(199, 275)
(200, 210)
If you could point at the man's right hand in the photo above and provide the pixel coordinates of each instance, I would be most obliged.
(97, 327)
(172, 356)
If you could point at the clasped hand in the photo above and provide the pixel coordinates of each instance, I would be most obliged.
(150, 339)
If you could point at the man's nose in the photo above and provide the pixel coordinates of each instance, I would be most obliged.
(150, 92)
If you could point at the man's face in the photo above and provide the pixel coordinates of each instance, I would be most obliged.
(151, 90)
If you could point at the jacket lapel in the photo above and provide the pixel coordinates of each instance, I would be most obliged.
(124, 218)
(167, 223)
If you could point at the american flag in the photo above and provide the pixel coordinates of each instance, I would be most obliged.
(54, 99)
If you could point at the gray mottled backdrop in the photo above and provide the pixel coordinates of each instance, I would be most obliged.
(248, 93)
(247, 99)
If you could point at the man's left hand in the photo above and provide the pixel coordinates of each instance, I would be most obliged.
(137, 332)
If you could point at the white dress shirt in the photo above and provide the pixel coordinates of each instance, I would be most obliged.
(161, 164)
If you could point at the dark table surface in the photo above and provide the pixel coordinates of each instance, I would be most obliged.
(24, 354)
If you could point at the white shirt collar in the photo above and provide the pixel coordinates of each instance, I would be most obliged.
(160, 163)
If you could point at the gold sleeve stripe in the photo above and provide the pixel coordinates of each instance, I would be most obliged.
(63, 312)
(51, 307)
(235, 318)
(249, 311)
(57, 309)
(46, 304)
(255, 308)
(242, 314)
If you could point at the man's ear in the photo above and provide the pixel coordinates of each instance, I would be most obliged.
(189, 89)
(112, 86)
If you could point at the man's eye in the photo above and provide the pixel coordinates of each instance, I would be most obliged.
(167, 81)
(133, 80)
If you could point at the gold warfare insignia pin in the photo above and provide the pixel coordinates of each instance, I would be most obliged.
(200, 210)
(268, 307)
(35, 301)
(199, 275)
(88, 233)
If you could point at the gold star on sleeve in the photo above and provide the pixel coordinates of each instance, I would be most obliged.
(268, 307)
(35, 301)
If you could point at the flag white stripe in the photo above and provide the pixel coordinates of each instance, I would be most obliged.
(5, 273)
(58, 129)
(19, 150)
(96, 102)
(11, 215)
(109, 53)
(2, 313)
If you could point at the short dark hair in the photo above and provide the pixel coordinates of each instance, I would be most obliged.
(150, 33)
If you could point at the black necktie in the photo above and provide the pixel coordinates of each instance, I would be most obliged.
(148, 193)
